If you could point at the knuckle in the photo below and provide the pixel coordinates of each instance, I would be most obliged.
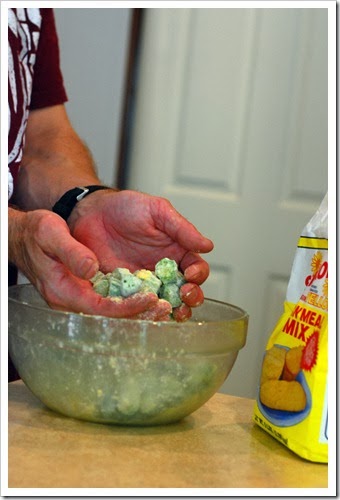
(44, 223)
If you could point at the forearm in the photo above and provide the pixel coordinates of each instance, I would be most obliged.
(54, 161)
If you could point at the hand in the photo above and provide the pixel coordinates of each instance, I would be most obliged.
(60, 267)
(135, 230)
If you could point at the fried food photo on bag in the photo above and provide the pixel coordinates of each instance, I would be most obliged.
(273, 364)
(283, 395)
(292, 363)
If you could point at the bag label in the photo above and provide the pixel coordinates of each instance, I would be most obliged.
(292, 402)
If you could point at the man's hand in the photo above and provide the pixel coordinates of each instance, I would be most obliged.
(60, 267)
(109, 229)
(135, 230)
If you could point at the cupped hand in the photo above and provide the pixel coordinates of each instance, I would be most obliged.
(135, 230)
(60, 267)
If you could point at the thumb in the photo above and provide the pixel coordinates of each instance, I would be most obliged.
(79, 259)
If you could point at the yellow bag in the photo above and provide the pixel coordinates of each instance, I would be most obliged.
(292, 402)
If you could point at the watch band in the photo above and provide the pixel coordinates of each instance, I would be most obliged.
(68, 201)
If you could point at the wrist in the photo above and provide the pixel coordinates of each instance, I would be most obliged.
(71, 198)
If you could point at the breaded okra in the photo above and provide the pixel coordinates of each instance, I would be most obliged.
(165, 281)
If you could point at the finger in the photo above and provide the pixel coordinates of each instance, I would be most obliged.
(78, 296)
(161, 311)
(191, 295)
(128, 307)
(182, 313)
(195, 269)
(179, 228)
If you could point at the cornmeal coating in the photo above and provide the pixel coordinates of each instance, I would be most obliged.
(170, 292)
(167, 271)
(130, 284)
(150, 282)
(165, 281)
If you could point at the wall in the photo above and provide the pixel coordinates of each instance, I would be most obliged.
(93, 50)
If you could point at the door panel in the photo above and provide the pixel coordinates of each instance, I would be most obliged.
(231, 126)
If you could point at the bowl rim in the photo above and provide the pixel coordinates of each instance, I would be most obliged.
(243, 314)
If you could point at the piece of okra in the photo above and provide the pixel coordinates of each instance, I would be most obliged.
(165, 281)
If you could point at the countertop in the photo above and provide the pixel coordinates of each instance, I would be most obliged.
(218, 446)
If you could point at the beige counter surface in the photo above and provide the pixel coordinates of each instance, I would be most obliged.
(218, 446)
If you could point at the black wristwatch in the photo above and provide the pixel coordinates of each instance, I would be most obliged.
(67, 202)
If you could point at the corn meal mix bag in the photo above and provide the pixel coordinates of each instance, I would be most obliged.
(292, 398)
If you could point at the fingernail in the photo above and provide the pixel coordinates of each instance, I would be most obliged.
(89, 268)
(191, 274)
(192, 292)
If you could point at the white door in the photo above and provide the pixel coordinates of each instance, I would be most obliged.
(231, 126)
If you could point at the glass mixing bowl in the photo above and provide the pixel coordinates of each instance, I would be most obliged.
(121, 371)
